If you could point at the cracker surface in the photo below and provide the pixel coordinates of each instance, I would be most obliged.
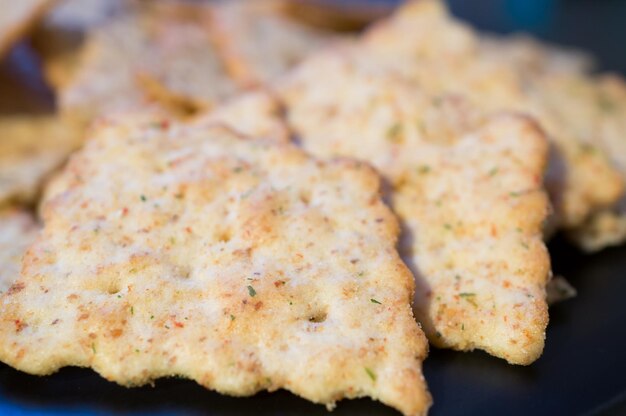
(607, 106)
(18, 231)
(154, 52)
(259, 41)
(242, 264)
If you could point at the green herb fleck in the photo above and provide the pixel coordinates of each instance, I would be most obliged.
(137, 350)
(587, 148)
(370, 373)
(447, 226)
(119, 296)
(470, 297)
(438, 334)
(515, 194)
(238, 169)
(143, 198)
(93, 347)
(394, 132)
(132, 310)
(172, 241)
(361, 274)
(493, 172)
(423, 170)
(251, 291)
(462, 327)
(232, 317)
(605, 104)
(151, 316)
(524, 245)
(375, 301)
(167, 327)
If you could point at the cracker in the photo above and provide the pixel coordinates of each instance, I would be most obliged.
(424, 43)
(467, 188)
(18, 231)
(31, 148)
(33, 141)
(608, 109)
(17, 18)
(156, 52)
(260, 41)
(61, 35)
(241, 264)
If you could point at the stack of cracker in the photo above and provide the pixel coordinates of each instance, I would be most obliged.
(220, 191)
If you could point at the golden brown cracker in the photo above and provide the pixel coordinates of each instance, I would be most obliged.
(241, 264)
(467, 188)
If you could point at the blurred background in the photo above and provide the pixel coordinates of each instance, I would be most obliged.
(598, 26)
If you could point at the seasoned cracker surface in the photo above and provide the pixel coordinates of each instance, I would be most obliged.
(607, 107)
(18, 230)
(255, 113)
(158, 51)
(468, 190)
(17, 17)
(259, 41)
(424, 43)
(242, 264)
(592, 107)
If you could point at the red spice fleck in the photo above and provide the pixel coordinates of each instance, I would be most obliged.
(258, 305)
(124, 211)
(178, 324)
(17, 287)
(279, 283)
(506, 284)
(83, 316)
(116, 333)
(188, 229)
(19, 325)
